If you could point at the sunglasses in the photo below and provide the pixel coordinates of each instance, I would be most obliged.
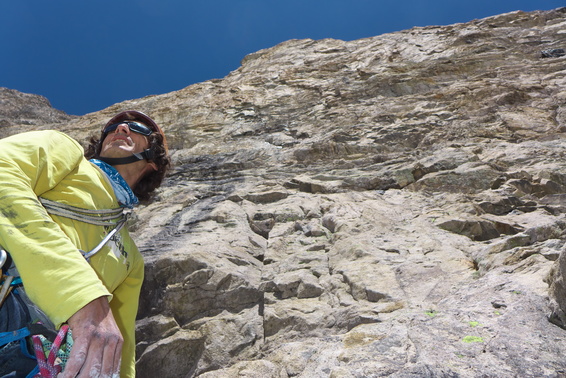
(134, 126)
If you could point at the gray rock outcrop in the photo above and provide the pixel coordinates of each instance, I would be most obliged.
(391, 206)
(21, 111)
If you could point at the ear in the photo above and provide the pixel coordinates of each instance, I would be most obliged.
(151, 166)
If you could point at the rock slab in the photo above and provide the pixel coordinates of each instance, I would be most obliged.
(391, 206)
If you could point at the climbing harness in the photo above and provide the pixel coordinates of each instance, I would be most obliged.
(51, 348)
(13, 285)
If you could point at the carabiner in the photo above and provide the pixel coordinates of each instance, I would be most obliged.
(3, 257)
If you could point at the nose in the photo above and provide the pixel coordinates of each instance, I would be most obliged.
(123, 128)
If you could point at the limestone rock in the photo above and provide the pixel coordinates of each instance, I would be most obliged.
(391, 206)
(23, 111)
(557, 281)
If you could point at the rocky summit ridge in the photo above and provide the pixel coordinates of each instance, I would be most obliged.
(390, 206)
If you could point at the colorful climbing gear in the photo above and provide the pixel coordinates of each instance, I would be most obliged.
(52, 356)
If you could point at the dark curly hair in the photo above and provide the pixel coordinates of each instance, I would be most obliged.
(152, 180)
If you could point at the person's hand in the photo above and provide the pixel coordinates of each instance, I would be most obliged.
(97, 342)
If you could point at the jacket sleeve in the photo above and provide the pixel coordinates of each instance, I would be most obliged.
(124, 306)
(55, 275)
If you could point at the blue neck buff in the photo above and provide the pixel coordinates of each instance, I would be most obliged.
(125, 196)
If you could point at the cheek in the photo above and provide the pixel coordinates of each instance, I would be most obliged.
(142, 142)
(105, 145)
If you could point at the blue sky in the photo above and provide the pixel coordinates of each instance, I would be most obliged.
(87, 55)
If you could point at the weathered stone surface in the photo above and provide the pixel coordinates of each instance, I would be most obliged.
(557, 281)
(23, 111)
(391, 206)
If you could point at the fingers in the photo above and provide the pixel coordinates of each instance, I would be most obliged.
(76, 359)
(97, 343)
(110, 358)
(95, 356)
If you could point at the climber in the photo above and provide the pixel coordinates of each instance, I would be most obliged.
(61, 222)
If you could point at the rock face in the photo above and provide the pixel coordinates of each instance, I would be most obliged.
(20, 111)
(391, 206)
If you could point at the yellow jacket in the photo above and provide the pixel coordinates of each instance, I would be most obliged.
(50, 164)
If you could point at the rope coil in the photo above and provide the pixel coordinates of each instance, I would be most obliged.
(116, 218)
(103, 217)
